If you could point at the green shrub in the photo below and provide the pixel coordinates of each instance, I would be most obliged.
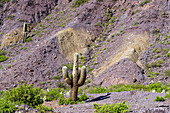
(157, 98)
(97, 90)
(167, 73)
(1, 33)
(154, 49)
(3, 58)
(167, 95)
(54, 94)
(24, 94)
(156, 31)
(112, 35)
(167, 55)
(113, 108)
(42, 83)
(28, 39)
(156, 73)
(9, 17)
(158, 87)
(23, 48)
(160, 61)
(165, 50)
(77, 3)
(67, 101)
(122, 32)
(2, 52)
(6, 106)
(56, 77)
(69, 66)
(43, 109)
(155, 64)
(21, 20)
(29, 95)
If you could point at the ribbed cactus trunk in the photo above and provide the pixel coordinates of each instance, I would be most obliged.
(78, 79)
(74, 89)
(24, 32)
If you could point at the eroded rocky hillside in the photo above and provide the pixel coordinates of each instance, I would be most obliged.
(119, 41)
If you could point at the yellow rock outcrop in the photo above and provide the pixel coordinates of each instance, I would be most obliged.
(14, 36)
(131, 48)
(72, 40)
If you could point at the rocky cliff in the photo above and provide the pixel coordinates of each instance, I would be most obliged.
(119, 41)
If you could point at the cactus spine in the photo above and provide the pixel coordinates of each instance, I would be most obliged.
(24, 32)
(78, 79)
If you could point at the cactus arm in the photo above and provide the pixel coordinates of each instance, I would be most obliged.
(65, 75)
(82, 76)
(79, 72)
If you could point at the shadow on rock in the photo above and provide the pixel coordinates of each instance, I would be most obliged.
(99, 98)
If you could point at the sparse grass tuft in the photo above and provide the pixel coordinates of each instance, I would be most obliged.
(77, 3)
(81, 99)
(113, 108)
(157, 98)
(158, 87)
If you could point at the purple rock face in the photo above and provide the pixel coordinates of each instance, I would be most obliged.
(31, 11)
(123, 72)
(40, 63)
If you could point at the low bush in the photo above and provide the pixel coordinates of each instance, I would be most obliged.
(113, 108)
(69, 66)
(77, 3)
(157, 98)
(158, 87)
(3, 58)
(43, 109)
(63, 101)
(3, 1)
(167, 95)
(26, 94)
(23, 48)
(54, 94)
(28, 39)
(2, 52)
(6, 106)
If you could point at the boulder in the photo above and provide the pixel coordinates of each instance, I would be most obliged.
(131, 46)
(72, 40)
(123, 72)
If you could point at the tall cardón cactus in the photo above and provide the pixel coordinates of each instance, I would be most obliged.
(78, 78)
(24, 32)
